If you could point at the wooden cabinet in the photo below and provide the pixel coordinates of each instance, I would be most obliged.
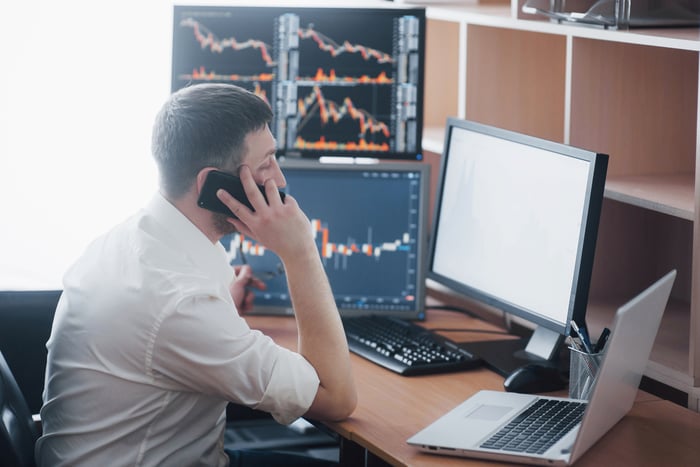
(630, 94)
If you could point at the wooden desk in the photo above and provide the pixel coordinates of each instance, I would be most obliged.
(391, 408)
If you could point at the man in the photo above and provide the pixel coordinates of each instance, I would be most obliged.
(148, 346)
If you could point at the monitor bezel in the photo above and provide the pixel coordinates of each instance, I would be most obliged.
(589, 227)
(418, 311)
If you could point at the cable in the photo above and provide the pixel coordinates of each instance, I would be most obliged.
(456, 309)
(483, 331)
(464, 311)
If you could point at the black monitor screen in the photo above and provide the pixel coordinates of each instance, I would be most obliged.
(370, 226)
(516, 221)
(340, 81)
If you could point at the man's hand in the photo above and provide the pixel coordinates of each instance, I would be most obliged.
(280, 226)
(241, 286)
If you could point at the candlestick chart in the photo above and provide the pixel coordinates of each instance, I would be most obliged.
(366, 226)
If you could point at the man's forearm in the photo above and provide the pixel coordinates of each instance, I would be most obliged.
(321, 337)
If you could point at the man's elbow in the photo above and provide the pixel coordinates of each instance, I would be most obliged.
(333, 407)
(345, 407)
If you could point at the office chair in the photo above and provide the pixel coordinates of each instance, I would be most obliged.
(18, 433)
(26, 317)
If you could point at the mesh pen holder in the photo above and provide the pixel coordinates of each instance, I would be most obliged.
(583, 370)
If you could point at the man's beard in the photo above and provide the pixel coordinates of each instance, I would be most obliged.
(222, 225)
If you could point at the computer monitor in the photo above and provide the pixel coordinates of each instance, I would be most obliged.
(370, 225)
(515, 227)
(341, 81)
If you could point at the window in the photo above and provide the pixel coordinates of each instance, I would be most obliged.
(80, 84)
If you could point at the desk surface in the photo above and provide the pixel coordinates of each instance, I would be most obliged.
(391, 408)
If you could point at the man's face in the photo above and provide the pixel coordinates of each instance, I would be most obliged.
(260, 157)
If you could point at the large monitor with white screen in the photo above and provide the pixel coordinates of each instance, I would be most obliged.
(370, 225)
(515, 227)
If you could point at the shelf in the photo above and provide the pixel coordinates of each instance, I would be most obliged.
(668, 194)
(475, 14)
(500, 16)
(632, 94)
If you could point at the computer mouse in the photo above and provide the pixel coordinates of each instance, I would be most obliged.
(535, 378)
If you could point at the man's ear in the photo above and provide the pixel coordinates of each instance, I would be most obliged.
(201, 177)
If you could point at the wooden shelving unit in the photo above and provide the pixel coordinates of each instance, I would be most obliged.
(631, 94)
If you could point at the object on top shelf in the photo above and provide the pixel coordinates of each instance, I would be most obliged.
(619, 14)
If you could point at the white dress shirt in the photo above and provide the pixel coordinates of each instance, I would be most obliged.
(147, 348)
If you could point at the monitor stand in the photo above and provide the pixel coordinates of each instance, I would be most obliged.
(505, 356)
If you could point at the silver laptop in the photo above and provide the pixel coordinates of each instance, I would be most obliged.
(463, 430)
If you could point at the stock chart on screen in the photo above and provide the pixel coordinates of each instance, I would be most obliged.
(369, 225)
(340, 81)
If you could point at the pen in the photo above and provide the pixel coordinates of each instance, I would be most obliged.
(602, 340)
(590, 362)
(575, 344)
(581, 332)
(243, 257)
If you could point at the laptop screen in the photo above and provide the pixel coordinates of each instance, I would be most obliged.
(369, 222)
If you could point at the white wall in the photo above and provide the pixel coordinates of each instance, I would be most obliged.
(80, 84)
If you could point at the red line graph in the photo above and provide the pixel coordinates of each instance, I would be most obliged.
(208, 39)
(327, 44)
(329, 110)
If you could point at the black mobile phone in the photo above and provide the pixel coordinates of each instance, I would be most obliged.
(217, 179)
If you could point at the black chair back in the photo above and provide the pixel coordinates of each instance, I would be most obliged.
(18, 433)
(26, 317)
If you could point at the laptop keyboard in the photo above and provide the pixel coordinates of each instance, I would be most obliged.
(538, 427)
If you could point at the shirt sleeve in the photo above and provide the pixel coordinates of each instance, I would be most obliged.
(288, 395)
(204, 346)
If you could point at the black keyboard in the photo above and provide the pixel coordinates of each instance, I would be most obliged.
(405, 347)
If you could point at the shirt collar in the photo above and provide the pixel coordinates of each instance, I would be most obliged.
(207, 255)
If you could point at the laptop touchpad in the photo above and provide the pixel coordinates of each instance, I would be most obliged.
(489, 412)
